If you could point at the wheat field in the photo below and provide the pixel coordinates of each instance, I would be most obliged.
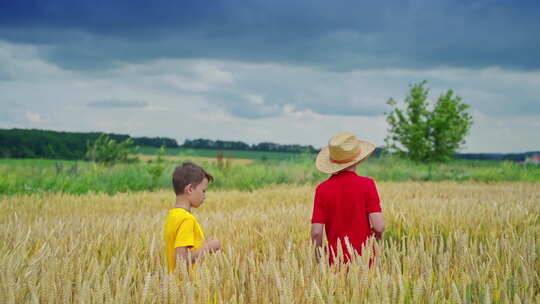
(445, 242)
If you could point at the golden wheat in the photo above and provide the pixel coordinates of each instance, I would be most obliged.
(445, 243)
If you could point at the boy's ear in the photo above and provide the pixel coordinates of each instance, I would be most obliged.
(188, 189)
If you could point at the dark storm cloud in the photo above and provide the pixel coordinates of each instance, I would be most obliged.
(117, 104)
(332, 35)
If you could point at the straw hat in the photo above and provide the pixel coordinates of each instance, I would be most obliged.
(343, 151)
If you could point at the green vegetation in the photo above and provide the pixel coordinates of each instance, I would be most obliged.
(201, 143)
(258, 155)
(21, 143)
(46, 176)
(42, 144)
(106, 150)
(423, 134)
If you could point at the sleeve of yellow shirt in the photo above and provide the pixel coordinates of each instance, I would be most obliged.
(185, 237)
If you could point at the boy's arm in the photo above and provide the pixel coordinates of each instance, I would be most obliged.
(190, 256)
(317, 230)
(376, 221)
(184, 254)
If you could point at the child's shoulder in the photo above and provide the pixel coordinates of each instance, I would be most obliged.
(365, 179)
(179, 213)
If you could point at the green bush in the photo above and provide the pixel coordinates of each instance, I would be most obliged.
(106, 150)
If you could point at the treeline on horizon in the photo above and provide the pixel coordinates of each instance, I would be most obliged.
(239, 145)
(33, 143)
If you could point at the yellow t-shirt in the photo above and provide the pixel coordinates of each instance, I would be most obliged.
(181, 230)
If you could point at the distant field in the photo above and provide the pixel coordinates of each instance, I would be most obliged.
(36, 162)
(260, 155)
(195, 159)
(34, 176)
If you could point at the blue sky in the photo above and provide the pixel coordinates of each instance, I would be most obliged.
(281, 71)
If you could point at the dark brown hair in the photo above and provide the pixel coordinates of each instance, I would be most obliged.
(188, 173)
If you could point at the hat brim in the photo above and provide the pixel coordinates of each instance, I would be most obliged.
(325, 165)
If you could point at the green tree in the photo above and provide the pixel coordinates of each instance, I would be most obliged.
(107, 150)
(424, 133)
(161, 154)
(155, 169)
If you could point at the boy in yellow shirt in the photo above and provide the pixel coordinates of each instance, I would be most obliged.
(184, 237)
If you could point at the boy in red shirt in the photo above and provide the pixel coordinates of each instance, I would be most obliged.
(346, 206)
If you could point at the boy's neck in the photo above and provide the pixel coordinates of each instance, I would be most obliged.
(351, 168)
(182, 202)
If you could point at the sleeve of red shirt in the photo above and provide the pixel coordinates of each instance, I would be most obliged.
(373, 203)
(318, 208)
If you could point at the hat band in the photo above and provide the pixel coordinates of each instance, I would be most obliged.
(342, 161)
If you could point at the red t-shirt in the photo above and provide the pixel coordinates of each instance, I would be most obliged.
(343, 203)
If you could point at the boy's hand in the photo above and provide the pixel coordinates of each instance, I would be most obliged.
(377, 235)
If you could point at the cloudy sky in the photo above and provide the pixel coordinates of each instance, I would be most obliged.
(258, 70)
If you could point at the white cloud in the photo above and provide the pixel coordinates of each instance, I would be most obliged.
(117, 104)
(152, 108)
(33, 118)
(212, 73)
(193, 76)
(257, 102)
(255, 99)
(504, 133)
